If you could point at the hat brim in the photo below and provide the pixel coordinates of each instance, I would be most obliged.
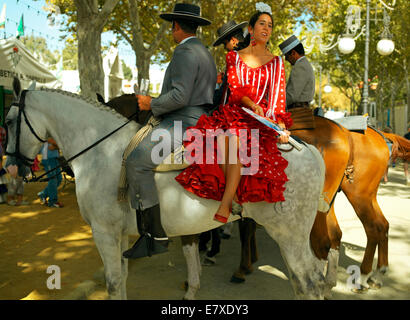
(228, 32)
(172, 16)
(289, 47)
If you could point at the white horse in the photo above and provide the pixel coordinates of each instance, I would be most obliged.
(76, 123)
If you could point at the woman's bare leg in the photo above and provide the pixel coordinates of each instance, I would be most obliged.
(223, 143)
(233, 177)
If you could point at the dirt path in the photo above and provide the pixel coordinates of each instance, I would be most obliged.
(34, 237)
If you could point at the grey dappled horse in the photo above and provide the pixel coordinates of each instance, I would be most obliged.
(76, 123)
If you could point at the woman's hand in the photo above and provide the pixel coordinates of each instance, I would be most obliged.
(258, 110)
(284, 138)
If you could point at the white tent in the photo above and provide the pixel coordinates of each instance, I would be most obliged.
(113, 74)
(16, 60)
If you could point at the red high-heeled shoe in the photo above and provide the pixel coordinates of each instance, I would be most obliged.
(219, 218)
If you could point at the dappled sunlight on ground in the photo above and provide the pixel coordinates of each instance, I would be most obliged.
(34, 237)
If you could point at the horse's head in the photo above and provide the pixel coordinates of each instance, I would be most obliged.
(24, 137)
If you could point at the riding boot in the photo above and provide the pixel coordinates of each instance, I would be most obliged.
(153, 239)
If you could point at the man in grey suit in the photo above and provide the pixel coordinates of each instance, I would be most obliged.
(187, 93)
(300, 88)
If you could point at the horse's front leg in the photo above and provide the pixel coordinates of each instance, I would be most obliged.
(191, 253)
(108, 245)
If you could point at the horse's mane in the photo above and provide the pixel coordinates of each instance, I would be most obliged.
(88, 100)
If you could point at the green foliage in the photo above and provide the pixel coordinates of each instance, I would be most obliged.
(347, 71)
(126, 70)
(143, 29)
(138, 23)
(70, 56)
(38, 47)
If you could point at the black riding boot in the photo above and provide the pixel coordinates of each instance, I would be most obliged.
(153, 239)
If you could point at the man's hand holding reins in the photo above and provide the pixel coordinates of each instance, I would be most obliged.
(144, 102)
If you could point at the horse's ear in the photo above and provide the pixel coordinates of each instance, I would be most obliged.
(100, 98)
(16, 87)
(32, 86)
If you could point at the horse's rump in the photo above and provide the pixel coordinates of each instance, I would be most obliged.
(401, 146)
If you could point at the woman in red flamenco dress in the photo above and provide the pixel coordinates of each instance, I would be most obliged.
(256, 81)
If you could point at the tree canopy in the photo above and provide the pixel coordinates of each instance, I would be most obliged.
(138, 23)
(388, 75)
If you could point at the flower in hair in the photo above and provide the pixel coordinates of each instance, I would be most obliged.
(263, 7)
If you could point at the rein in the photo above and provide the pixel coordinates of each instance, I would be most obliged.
(28, 162)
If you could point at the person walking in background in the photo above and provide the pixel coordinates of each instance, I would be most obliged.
(15, 186)
(49, 160)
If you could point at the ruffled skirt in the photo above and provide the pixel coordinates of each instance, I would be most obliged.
(263, 173)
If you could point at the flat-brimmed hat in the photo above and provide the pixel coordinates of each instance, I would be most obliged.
(186, 11)
(289, 44)
(227, 29)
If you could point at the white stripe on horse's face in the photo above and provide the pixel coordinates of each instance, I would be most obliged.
(11, 121)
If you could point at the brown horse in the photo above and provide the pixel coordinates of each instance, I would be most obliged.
(368, 160)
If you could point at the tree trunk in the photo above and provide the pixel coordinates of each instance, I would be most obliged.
(392, 106)
(143, 69)
(89, 60)
(90, 23)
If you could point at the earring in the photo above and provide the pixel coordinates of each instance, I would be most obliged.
(253, 41)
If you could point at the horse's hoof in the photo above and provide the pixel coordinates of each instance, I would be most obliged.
(360, 290)
(248, 271)
(236, 278)
(373, 284)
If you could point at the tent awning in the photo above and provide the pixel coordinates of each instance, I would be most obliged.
(17, 61)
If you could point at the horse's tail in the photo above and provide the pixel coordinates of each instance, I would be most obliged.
(401, 146)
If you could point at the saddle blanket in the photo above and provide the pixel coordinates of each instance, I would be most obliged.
(353, 122)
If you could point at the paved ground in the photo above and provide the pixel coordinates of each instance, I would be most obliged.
(34, 237)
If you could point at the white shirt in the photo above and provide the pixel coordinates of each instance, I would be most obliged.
(300, 59)
(186, 39)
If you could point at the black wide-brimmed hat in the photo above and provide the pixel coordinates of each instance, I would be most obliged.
(186, 11)
(227, 29)
(290, 43)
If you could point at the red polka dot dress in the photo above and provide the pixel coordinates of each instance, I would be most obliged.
(263, 163)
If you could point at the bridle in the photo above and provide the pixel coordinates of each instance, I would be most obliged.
(17, 154)
(29, 162)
